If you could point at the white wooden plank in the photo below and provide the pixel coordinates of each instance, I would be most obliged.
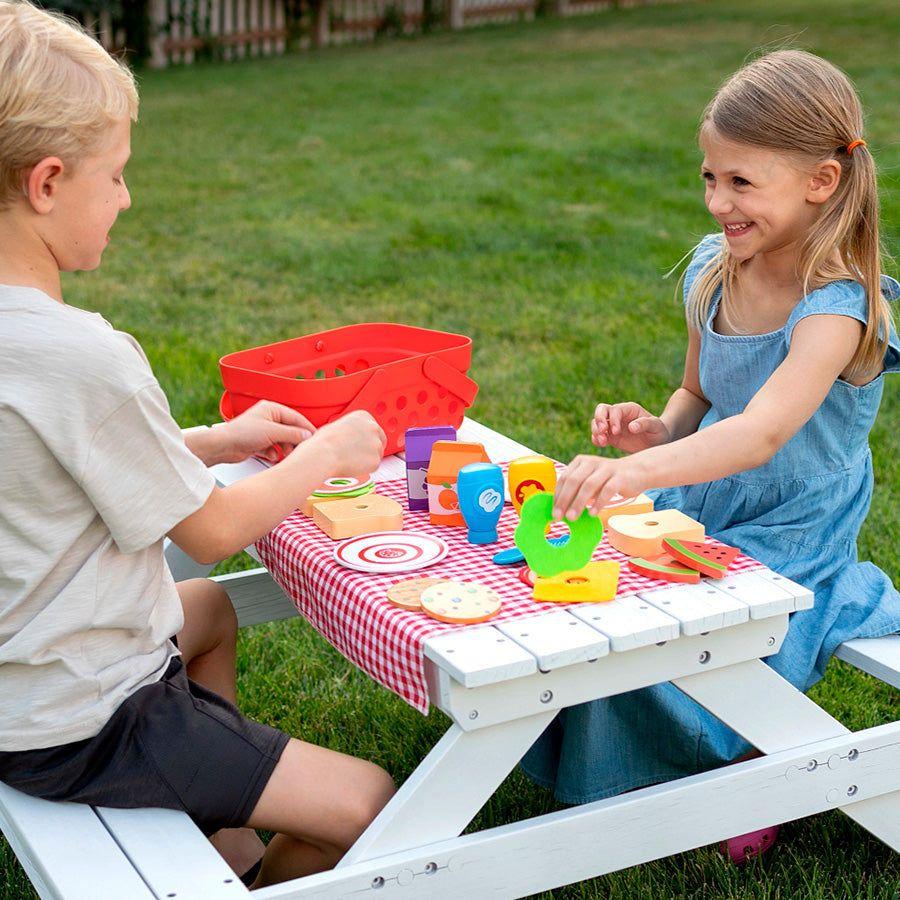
(628, 622)
(171, 854)
(64, 847)
(499, 447)
(877, 656)
(562, 847)
(479, 655)
(256, 597)
(697, 607)
(556, 638)
(803, 597)
(764, 597)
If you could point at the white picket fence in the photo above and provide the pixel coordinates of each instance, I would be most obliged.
(183, 30)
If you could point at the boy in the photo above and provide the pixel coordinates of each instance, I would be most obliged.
(97, 643)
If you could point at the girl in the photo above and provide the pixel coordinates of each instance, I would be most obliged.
(765, 442)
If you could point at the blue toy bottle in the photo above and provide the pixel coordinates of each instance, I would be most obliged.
(480, 491)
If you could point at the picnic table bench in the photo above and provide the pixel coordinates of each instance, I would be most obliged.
(501, 684)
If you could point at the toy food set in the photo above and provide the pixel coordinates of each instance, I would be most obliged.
(642, 535)
(408, 594)
(371, 513)
(460, 602)
(418, 442)
(513, 556)
(403, 376)
(480, 490)
(595, 582)
(529, 475)
(447, 458)
(547, 559)
(337, 489)
(707, 559)
(391, 551)
(625, 506)
(665, 569)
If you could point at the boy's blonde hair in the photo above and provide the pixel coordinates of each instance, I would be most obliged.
(59, 92)
(797, 103)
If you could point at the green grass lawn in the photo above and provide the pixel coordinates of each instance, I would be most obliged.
(529, 186)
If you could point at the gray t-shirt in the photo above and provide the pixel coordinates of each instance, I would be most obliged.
(93, 473)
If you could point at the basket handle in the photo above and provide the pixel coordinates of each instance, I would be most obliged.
(367, 396)
(447, 376)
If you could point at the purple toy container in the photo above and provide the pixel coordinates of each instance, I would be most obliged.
(419, 442)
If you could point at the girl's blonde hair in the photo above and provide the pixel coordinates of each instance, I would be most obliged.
(59, 92)
(794, 102)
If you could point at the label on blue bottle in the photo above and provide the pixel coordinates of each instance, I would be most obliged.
(489, 500)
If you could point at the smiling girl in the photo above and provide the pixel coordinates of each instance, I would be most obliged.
(766, 440)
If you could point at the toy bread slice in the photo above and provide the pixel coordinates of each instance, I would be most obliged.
(341, 519)
(708, 559)
(595, 583)
(626, 506)
(663, 569)
(643, 535)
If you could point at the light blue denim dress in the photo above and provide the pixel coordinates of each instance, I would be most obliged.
(800, 514)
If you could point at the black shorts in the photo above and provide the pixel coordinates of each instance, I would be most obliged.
(171, 744)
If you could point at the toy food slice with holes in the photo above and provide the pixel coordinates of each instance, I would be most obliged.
(665, 568)
(358, 515)
(548, 559)
(643, 535)
(408, 594)
(313, 499)
(708, 559)
(625, 506)
(461, 602)
(595, 583)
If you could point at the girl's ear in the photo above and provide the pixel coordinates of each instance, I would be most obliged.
(42, 183)
(824, 181)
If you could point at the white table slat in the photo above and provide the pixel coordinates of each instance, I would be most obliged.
(497, 446)
(763, 596)
(171, 854)
(628, 622)
(479, 655)
(803, 597)
(697, 607)
(556, 638)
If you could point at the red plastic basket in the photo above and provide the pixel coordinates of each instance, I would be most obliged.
(403, 376)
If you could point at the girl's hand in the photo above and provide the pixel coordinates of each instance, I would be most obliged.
(268, 430)
(353, 444)
(628, 427)
(590, 482)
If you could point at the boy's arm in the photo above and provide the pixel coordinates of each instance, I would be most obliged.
(232, 518)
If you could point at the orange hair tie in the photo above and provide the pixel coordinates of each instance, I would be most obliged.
(859, 142)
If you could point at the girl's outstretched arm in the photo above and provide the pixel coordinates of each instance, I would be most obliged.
(821, 348)
(688, 405)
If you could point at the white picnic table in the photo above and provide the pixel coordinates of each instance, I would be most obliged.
(501, 685)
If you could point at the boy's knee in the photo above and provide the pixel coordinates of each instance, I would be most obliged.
(366, 805)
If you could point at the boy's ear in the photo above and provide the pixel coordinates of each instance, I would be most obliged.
(824, 181)
(42, 183)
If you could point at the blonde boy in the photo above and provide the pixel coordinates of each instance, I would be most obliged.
(117, 686)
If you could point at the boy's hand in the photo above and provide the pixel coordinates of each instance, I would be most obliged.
(590, 482)
(628, 427)
(353, 445)
(268, 430)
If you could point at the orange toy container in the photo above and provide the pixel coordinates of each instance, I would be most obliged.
(403, 376)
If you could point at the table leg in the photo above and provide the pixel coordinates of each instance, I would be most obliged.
(448, 787)
(769, 712)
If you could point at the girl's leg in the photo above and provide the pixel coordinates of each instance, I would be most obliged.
(319, 801)
(208, 645)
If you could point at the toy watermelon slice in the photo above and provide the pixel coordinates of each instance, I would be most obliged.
(708, 559)
(662, 568)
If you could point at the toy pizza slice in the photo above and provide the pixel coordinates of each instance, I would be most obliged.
(708, 559)
(663, 568)
(460, 602)
(408, 594)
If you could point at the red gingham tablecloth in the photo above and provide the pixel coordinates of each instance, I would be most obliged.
(351, 611)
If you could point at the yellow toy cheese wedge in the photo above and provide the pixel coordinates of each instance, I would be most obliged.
(594, 583)
(341, 519)
(642, 535)
(626, 506)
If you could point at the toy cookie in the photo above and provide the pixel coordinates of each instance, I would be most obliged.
(408, 594)
(460, 602)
